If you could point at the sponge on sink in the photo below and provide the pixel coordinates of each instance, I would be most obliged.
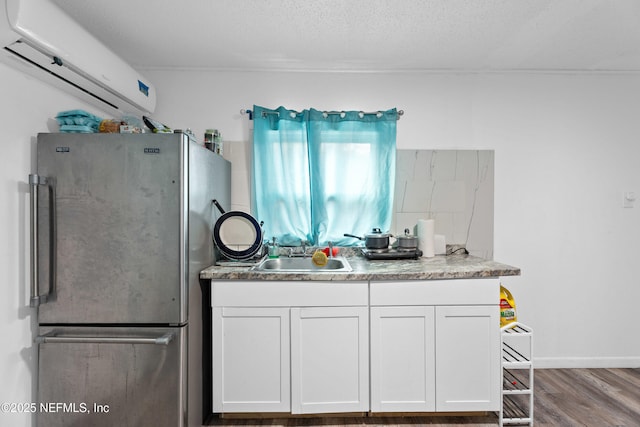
(319, 258)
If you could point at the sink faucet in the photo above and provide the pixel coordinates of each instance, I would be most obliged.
(303, 244)
(330, 249)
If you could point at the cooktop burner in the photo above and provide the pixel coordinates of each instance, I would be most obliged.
(376, 251)
(391, 253)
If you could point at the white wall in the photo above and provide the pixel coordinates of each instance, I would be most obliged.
(27, 107)
(566, 147)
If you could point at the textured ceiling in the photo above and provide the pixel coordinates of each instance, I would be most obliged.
(368, 35)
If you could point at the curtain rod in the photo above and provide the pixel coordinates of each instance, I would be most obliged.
(250, 113)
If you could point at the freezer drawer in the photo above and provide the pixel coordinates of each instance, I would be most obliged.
(113, 376)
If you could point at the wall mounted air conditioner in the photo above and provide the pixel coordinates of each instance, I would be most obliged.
(39, 38)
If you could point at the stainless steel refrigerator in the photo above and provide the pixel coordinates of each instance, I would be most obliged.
(121, 228)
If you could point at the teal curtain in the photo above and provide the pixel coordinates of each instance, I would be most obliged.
(282, 197)
(318, 175)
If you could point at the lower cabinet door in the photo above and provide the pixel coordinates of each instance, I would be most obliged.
(329, 359)
(402, 359)
(468, 358)
(251, 359)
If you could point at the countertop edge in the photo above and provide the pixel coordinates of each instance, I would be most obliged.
(437, 268)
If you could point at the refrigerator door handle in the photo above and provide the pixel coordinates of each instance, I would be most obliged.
(52, 338)
(35, 181)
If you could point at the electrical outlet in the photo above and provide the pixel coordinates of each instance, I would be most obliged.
(628, 199)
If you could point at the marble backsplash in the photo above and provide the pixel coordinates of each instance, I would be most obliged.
(453, 187)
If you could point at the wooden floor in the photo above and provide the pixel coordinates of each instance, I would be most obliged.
(563, 397)
(587, 397)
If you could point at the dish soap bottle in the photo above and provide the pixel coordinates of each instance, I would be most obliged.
(507, 307)
(274, 250)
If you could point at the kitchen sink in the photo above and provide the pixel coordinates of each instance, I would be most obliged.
(302, 265)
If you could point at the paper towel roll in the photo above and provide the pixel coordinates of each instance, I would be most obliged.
(425, 233)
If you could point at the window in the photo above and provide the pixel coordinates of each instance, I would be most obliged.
(319, 175)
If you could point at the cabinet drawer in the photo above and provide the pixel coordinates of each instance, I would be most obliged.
(436, 292)
(289, 294)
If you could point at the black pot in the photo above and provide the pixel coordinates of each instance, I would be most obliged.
(374, 240)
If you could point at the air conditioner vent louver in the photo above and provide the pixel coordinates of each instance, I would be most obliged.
(66, 80)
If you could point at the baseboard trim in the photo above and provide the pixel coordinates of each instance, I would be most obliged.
(585, 362)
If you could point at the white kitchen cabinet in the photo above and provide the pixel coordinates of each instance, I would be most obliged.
(305, 347)
(402, 359)
(290, 346)
(445, 332)
(329, 359)
(251, 359)
(468, 369)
